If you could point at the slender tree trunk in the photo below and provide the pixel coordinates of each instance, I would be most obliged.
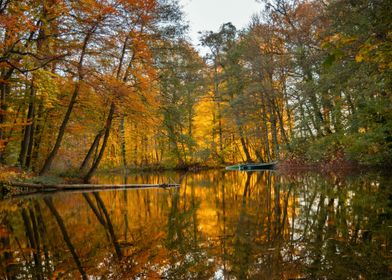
(42, 48)
(31, 145)
(28, 130)
(337, 116)
(108, 126)
(265, 131)
(281, 122)
(38, 132)
(135, 147)
(316, 113)
(217, 99)
(3, 109)
(303, 118)
(220, 131)
(4, 92)
(183, 148)
(245, 146)
(274, 135)
(157, 145)
(123, 144)
(49, 160)
(90, 152)
(326, 108)
(259, 156)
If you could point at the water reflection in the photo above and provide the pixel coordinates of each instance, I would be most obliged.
(218, 225)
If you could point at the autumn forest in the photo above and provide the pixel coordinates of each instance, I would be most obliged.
(123, 142)
(117, 84)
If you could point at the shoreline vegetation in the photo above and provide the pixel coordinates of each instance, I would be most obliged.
(14, 180)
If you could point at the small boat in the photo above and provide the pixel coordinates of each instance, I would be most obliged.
(252, 166)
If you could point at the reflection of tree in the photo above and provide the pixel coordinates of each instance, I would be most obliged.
(187, 259)
(242, 255)
(37, 263)
(341, 229)
(261, 232)
(103, 217)
(60, 223)
(231, 225)
(31, 230)
(43, 233)
(6, 257)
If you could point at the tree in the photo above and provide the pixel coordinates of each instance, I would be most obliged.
(218, 43)
(181, 84)
(89, 17)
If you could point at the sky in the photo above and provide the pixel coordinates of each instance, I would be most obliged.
(205, 15)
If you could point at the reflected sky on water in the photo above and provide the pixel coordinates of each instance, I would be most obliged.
(218, 225)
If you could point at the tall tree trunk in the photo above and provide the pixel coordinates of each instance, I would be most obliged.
(217, 99)
(108, 126)
(90, 152)
(265, 130)
(243, 144)
(123, 144)
(31, 145)
(303, 118)
(274, 131)
(220, 131)
(135, 147)
(4, 92)
(40, 122)
(28, 131)
(49, 160)
(281, 121)
(3, 108)
(337, 115)
(42, 48)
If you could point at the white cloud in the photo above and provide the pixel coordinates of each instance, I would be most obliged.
(205, 15)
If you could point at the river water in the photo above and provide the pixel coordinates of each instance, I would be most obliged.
(217, 225)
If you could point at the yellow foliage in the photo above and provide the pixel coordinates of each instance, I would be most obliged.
(47, 87)
(204, 120)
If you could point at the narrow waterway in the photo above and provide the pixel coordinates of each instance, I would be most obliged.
(217, 225)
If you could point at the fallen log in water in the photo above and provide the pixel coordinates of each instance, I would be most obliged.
(65, 187)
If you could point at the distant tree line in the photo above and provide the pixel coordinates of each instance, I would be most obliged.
(306, 79)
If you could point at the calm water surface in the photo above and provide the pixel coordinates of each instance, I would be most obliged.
(218, 225)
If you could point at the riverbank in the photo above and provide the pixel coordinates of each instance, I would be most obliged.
(10, 175)
(16, 181)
